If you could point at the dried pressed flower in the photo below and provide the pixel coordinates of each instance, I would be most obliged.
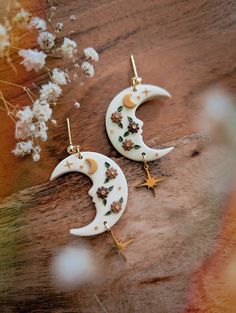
(4, 40)
(38, 23)
(50, 92)
(59, 27)
(116, 117)
(22, 18)
(46, 40)
(127, 144)
(32, 59)
(23, 148)
(116, 207)
(91, 54)
(69, 48)
(133, 127)
(111, 173)
(102, 192)
(59, 77)
(88, 69)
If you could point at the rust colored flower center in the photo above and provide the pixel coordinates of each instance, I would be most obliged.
(103, 192)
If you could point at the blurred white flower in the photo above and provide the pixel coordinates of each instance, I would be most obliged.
(38, 23)
(42, 111)
(50, 92)
(69, 48)
(32, 59)
(46, 40)
(59, 77)
(91, 54)
(72, 267)
(59, 27)
(22, 18)
(76, 104)
(4, 40)
(36, 153)
(23, 148)
(88, 69)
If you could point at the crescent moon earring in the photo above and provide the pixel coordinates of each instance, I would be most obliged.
(124, 129)
(109, 191)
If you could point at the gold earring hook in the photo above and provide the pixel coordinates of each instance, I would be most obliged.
(135, 80)
(71, 149)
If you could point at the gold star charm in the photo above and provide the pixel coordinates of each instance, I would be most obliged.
(68, 164)
(146, 92)
(150, 181)
(120, 246)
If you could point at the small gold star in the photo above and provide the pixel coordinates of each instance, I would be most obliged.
(68, 164)
(81, 166)
(146, 92)
(150, 181)
(138, 97)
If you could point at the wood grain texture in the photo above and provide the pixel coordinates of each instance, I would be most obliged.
(184, 46)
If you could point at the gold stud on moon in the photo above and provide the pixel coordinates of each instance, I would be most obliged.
(95, 166)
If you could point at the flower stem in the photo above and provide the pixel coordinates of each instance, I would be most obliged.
(44, 12)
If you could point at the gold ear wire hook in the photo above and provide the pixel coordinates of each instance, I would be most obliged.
(136, 79)
(71, 149)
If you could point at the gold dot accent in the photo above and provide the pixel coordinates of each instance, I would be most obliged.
(81, 166)
(119, 188)
(96, 228)
(112, 131)
(138, 97)
(157, 155)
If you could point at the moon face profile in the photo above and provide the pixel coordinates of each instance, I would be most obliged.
(109, 191)
(124, 129)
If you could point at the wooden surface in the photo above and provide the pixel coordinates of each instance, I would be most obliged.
(184, 46)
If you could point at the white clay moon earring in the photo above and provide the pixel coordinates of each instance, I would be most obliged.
(109, 191)
(124, 129)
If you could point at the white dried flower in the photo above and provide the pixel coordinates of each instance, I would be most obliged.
(59, 27)
(46, 40)
(69, 48)
(32, 59)
(73, 18)
(4, 40)
(23, 148)
(50, 92)
(25, 114)
(88, 69)
(38, 23)
(59, 77)
(22, 18)
(42, 111)
(76, 104)
(23, 130)
(40, 131)
(91, 54)
(36, 153)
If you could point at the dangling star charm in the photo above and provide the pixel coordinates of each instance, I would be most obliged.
(150, 181)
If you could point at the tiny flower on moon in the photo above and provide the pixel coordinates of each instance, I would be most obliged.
(116, 117)
(111, 173)
(133, 127)
(102, 192)
(116, 207)
(127, 144)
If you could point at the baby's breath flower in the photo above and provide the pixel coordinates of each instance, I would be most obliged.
(88, 69)
(32, 59)
(42, 110)
(23, 148)
(59, 77)
(69, 48)
(41, 131)
(73, 18)
(38, 23)
(91, 54)
(46, 40)
(23, 130)
(76, 104)
(25, 114)
(36, 153)
(59, 27)
(4, 40)
(50, 92)
(22, 18)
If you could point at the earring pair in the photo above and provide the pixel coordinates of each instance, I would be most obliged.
(110, 190)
